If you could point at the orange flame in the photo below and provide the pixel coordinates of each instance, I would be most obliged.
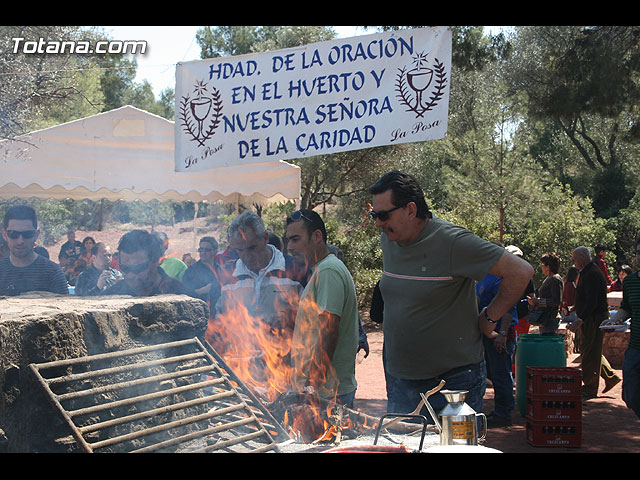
(276, 361)
(258, 354)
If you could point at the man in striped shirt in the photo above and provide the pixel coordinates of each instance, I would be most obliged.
(24, 270)
(630, 308)
(431, 323)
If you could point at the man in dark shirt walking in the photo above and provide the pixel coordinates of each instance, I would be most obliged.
(592, 309)
(24, 270)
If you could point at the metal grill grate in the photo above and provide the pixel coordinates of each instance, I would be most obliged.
(171, 397)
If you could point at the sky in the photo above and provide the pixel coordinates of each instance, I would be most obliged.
(167, 45)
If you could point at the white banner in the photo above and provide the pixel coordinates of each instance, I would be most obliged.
(317, 99)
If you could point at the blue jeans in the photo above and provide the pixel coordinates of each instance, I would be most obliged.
(388, 378)
(500, 372)
(631, 380)
(346, 399)
(406, 393)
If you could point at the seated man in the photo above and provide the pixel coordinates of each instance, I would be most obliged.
(24, 270)
(70, 250)
(200, 276)
(99, 275)
(69, 253)
(139, 253)
(325, 339)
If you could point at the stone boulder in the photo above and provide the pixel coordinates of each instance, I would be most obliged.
(42, 327)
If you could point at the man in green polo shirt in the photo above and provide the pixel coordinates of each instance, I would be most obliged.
(325, 338)
(432, 327)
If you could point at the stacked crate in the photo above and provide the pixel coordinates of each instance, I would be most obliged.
(554, 406)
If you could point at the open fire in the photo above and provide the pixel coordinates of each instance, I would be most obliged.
(263, 357)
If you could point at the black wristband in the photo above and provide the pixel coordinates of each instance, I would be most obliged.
(486, 315)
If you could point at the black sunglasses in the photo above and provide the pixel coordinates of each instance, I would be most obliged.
(383, 215)
(141, 267)
(26, 234)
(298, 215)
(205, 250)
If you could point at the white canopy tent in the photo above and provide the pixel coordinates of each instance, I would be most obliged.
(128, 154)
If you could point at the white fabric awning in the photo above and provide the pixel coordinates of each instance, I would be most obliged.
(128, 154)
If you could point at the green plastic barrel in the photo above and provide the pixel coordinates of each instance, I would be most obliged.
(535, 350)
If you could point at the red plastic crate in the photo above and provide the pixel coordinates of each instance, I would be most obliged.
(564, 381)
(554, 434)
(554, 408)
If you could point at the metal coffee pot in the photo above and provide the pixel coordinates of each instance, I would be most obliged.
(457, 421)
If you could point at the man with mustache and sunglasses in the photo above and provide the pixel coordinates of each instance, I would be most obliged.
(432, 327)
(139, 253)
(24, 270)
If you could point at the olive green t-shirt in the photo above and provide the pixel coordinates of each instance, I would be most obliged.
(330, 289)
(430, 307)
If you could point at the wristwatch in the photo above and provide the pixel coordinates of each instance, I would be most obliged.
(504, 334)
(486, 316)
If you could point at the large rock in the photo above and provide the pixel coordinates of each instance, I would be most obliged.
(614, 346)
(42, 327)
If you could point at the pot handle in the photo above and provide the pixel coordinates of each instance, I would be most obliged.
(484, 426)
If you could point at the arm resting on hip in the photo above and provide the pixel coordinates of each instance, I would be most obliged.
(515, 274)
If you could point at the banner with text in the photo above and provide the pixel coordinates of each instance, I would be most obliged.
(317, 99)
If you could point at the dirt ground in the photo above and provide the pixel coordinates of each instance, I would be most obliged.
(608, 426)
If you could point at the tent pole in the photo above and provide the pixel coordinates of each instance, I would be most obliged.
(195, 227)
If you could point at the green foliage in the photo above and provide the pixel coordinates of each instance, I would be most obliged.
(626, 229)
(558, 222)
(275, 217)
(362, 254)
(583, 82)
(117, 80)
(32, 84)
(230, 40)
(552, 219)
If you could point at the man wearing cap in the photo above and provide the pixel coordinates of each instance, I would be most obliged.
(432, 327)
(523, 305)
(498, 354)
